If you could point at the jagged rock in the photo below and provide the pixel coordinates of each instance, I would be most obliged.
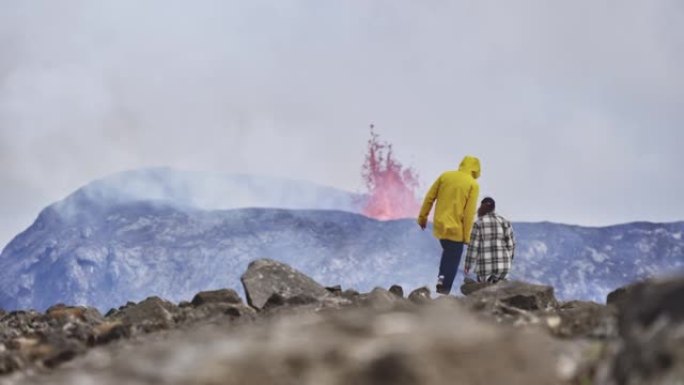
(651, 323)
(378, 298)
(112, 312)
(109, 331)
(77, 330)
(470, 286)
(519, 295)
(19, 323)
(241, 311)
(618, 295)
(350, 294)
(384, 338)
(423, 345)
(22, 344)
(584, 319)
(55, 349)
(2, 313)
(10, 362)
(278, 299)
(397, 290)
(420, 295)
(47, 349)
(335, 290)
(222, 295)
(265, 277)
(62, 314)
(151, 314)
(213, 311)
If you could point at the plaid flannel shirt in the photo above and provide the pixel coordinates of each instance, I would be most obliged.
(492, 246)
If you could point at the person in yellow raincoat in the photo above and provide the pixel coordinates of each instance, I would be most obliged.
(456, 193)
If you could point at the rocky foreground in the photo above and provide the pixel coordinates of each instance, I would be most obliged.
(291, 330)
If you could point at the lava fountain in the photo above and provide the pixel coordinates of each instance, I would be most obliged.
(391, 186)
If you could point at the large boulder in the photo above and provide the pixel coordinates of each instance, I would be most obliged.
(584, 319)
(420, 295)
(214, 311)
(378, 298)
(651, 323)
(149, 315)
(616, 296)
(63, 314)
(470, 286)
(216, 296)
(265, 277)
(397, 290)
(518, 295)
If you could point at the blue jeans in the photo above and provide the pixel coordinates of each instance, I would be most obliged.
(451, 258)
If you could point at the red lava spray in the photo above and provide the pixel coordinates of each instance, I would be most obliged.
(391, 186)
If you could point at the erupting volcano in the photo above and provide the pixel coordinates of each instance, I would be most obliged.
(391, 186)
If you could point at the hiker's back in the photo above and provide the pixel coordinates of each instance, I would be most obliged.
(454, 190)
(496, 234)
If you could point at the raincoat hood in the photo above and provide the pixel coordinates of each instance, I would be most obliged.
(471, 166)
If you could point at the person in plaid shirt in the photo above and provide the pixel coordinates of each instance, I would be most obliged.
(492, 245)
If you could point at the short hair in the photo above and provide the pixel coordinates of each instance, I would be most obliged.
(489, 202)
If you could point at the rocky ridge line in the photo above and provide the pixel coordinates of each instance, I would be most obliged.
(293, 330)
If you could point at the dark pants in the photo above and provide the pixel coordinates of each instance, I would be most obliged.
(451, 258)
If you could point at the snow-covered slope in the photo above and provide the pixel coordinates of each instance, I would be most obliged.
(158, 232)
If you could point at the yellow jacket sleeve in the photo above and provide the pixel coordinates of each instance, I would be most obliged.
(469, 213)
(429, 200)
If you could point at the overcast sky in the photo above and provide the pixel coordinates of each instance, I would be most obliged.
(575, 108)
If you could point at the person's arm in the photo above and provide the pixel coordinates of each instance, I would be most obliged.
(427, 203)
(469, 213)
(473, 248)
(510, 240)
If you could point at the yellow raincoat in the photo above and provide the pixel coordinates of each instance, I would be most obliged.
(456, 193)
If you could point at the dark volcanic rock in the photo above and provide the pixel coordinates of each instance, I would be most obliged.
(46, 340)
(279, 300)
(265, 277)
(109, 331)
(335, 290)
(19, 323)
(651, 324)
(518, 295)
(350, 294)
(55, 348)
(10, 362)
(430, 344)
(586, 319)
(378, 298)
(214, 296)
(151, 314)
(62, 314)
(213, 311)
(420, 295)
(618, 295)
(470, 286)
(397, 290)
(380, 337)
